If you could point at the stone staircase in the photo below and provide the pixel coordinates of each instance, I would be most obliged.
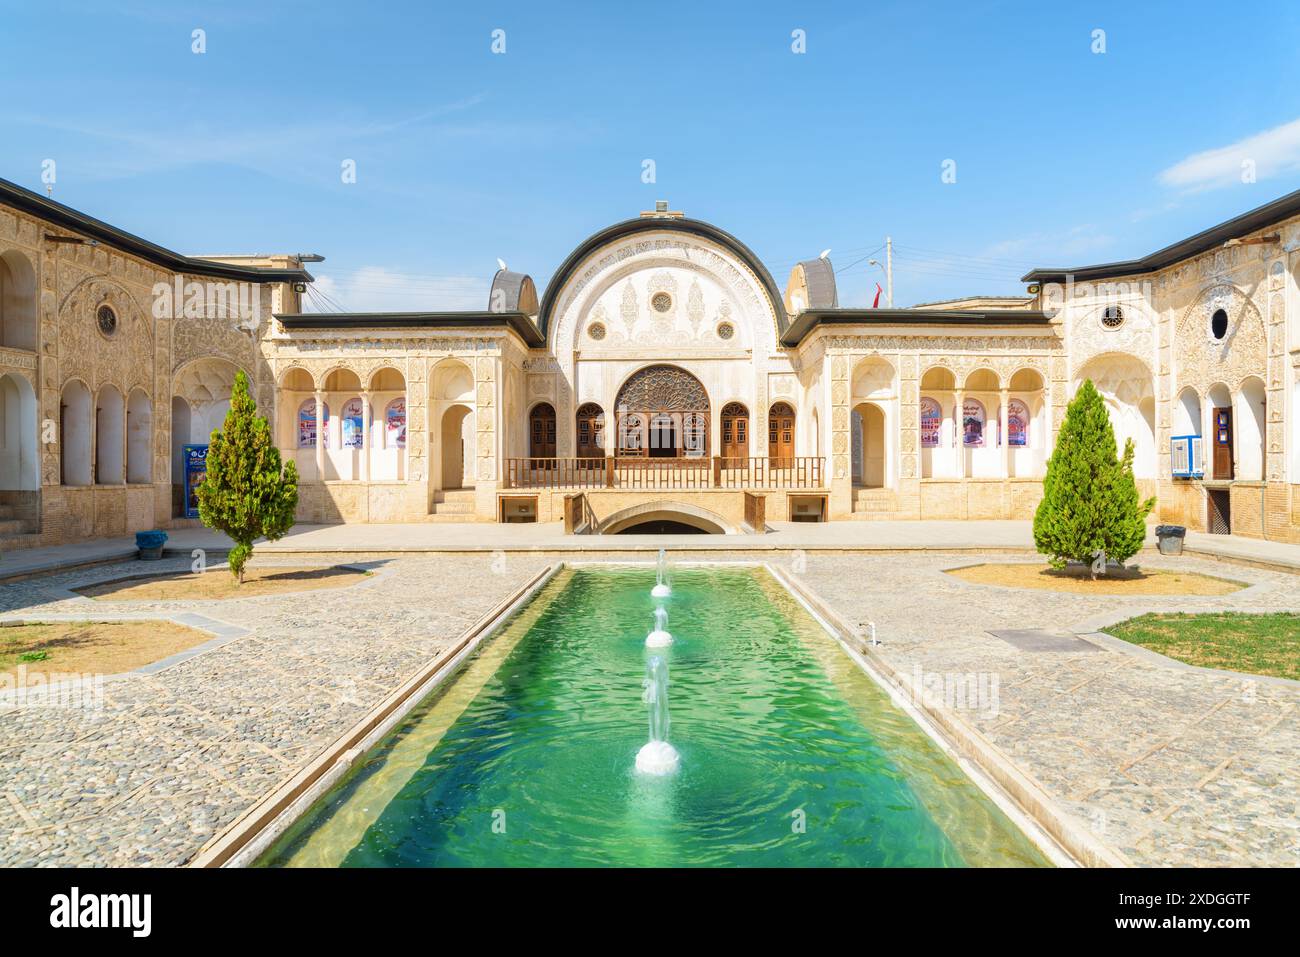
(874, 503)
(453, 505)
(15, 532)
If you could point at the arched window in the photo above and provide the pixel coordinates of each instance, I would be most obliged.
(139, 438)
(353, 423)
(307, 424)
(632, 434)
(780, 432)
(1017, 424)
(735, 431)
(972, 423)
(110, 415)
(395, 424)
(695, 434)
(590, 421)
(541, 431)
(931, 422)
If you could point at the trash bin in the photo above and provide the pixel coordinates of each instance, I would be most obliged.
(1169, 538)
(150, 544)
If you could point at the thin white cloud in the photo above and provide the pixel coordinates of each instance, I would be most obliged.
(1271, 152)
(380, 289)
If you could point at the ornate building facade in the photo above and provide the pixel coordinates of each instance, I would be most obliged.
(662, 381)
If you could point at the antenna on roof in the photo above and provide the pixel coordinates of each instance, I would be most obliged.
(502, 263)
(823, 254)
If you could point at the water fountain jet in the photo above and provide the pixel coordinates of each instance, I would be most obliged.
(657, 757)
(662, 589)
(659, 638)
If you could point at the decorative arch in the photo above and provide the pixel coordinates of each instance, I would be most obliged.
(662, 411)
(19, 455)
(139, 438)
(873, 378)
(1128, 389)
(693, 515)
(631, 227)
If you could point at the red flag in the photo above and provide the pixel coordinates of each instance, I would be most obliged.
(875, 303)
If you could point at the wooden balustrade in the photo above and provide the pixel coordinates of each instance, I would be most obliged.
(621, 472)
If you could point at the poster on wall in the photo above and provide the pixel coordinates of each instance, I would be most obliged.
(1017, 423)
(353, 424)
(972, 423)
(395, 424)
(931, 421)
(196, 470)
(307, 424)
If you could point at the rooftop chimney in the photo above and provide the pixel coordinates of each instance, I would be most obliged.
(661, 211)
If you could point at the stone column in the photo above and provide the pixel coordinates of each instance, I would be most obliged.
(320, 436)
(958, 432)
(1004, 434)
(365, 435)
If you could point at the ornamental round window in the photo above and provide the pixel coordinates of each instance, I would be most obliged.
(1112, 317)
(1219, 325)
(726, 330)
(596, 331)
(106, 319)
(661, 302)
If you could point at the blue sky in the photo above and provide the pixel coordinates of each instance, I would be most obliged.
(1063, 156)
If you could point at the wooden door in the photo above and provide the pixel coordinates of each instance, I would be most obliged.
(780, 435)
(541, 432)
(1223, 465)
(735, 433)
(591, 429)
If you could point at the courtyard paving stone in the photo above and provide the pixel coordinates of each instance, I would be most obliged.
(1167, 766)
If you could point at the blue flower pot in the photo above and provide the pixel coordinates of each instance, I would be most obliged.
(150, 544)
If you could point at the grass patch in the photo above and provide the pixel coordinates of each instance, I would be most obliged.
(1233, 641)
(92, 647)
(1127, 581)
(218, 583)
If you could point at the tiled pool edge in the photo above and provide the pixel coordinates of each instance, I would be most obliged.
(262, 824)
(1058, 835)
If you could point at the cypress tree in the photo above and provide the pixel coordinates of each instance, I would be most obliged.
(247, 493)
(1090, 498)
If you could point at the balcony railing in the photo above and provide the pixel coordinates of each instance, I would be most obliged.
(665, 473)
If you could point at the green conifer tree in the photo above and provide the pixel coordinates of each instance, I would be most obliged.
(1090, 498)
(247, 492)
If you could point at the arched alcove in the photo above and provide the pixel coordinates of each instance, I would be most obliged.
(139, 438)
(19, 464)
(17, 301)
(110, 438)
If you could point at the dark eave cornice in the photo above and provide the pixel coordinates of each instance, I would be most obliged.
(807, 321)
(87, 227)
(519, 322)
(695, 227)
(1253, 221)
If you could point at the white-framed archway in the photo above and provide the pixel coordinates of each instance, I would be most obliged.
(1128, 390)
(19, 452)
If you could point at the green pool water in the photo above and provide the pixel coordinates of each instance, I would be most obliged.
(790, 754)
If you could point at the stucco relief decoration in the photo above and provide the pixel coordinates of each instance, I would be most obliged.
(126, 358)
(1201, 359)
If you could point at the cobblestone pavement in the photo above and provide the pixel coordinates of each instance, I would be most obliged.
(1167, 766)
(173, 757)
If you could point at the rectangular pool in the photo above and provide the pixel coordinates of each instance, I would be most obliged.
(790, 755)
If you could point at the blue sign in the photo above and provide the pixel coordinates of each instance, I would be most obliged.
(196, 469)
